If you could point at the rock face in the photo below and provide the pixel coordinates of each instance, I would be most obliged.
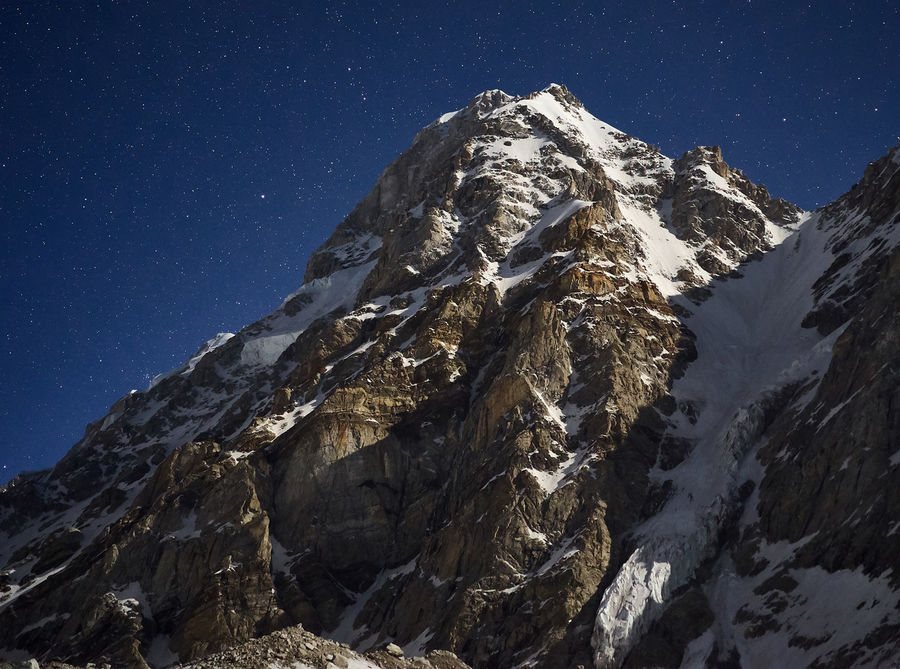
(545, 398)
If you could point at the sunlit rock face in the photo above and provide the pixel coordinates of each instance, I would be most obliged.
(545, 398)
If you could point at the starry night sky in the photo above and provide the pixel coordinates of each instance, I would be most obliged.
(166, 170)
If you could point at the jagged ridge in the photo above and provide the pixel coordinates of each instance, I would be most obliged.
(446, 435)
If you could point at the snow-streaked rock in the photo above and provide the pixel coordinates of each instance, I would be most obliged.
(539, 384)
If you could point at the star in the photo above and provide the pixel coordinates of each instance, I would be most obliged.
(119, 174)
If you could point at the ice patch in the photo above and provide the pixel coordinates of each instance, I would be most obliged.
(267, 350)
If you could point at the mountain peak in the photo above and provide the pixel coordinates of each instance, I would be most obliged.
(561, 93)
(541, 378)
(489, 100)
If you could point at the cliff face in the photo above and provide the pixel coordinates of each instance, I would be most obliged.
(546, 397)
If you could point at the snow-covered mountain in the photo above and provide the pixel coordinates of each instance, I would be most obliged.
(545, 398)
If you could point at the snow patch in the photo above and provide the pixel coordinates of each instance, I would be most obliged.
(824, 613)
(188, 367)
(322, 296)
(418, 646)
(561, 553)
(446, 117)
(347, 630)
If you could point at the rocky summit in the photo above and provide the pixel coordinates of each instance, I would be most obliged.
(546, 398)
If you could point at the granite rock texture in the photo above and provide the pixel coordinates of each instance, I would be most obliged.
(453, 436)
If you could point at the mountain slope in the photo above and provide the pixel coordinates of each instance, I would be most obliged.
(544, 396)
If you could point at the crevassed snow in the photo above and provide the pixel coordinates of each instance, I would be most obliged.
(749, 342)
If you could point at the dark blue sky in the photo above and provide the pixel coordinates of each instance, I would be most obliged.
(166, 171)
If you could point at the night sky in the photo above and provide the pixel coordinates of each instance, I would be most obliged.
(166, 170)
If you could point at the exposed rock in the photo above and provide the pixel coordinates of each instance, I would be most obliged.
(718, 208)
(685, 619)
(57, 548)
(290, 646)
(478, 423)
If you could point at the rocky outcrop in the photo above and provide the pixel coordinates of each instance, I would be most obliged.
(290, 648)
(189, 561)
(719, 209)
(481, 420)
(862, 223)
(295, 646)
